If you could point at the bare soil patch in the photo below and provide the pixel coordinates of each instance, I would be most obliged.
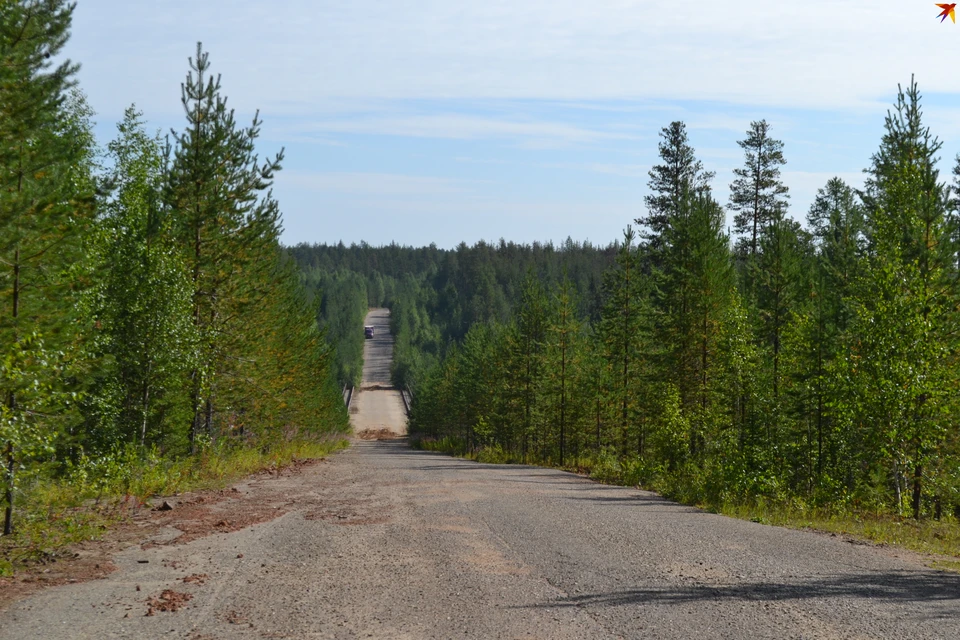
(259, 498)
(168, 600)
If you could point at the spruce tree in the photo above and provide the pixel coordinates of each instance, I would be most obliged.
(678, 174)
(623, 329)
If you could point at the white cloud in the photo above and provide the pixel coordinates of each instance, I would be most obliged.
(293, 54)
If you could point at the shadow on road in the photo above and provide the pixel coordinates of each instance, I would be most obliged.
(896, 586)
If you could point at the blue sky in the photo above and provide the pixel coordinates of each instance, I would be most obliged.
(447, 121)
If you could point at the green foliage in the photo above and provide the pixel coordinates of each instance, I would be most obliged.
(757, 195)
(343, 306)
(148, 308)
(677, 178)
(46, 187)
(144, 339)
(823, 377)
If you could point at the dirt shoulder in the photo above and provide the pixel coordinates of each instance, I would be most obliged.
(167, 521)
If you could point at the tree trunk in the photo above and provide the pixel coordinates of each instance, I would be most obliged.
(11, 468)
(12, 399)
(195, 403)
(208, 419)
(917, 490)
(563, 399)
(145, 409)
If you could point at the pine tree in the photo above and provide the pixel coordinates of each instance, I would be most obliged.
(45, 196)
(478, 382)
(769, 252)
(526, 341)
(757, 196)
(228, 223)
(690, 304)
(836, 222)
(564, 361)
(780, 286)
(954, 215)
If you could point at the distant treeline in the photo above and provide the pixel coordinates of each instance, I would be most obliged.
(146, 306)
(436, 295)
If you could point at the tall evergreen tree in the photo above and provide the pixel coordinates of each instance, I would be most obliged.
(526, 342)
(905, 302)
(836, 221)
(228, 224)
(757, 195)
(780, 287)
(563, 356)
(678, 174)
(45, 192)
(691, 302)
(622, 328)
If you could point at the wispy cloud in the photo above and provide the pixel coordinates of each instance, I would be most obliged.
(372, 184)
(464, 127)
(819, 53)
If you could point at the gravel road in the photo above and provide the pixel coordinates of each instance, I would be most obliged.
(376, 405)
(394, 543)
(381, 541)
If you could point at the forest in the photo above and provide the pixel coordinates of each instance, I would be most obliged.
(808, 364)
(150, 321)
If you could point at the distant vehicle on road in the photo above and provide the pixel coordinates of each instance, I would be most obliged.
(368, 331)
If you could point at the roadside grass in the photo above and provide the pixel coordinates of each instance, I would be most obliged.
(926, 536)
(52, 513)
(939, 539)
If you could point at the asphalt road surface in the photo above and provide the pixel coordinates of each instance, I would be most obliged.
(382, 541)
(376, 405)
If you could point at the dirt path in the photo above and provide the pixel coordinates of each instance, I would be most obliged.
(376, 406)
